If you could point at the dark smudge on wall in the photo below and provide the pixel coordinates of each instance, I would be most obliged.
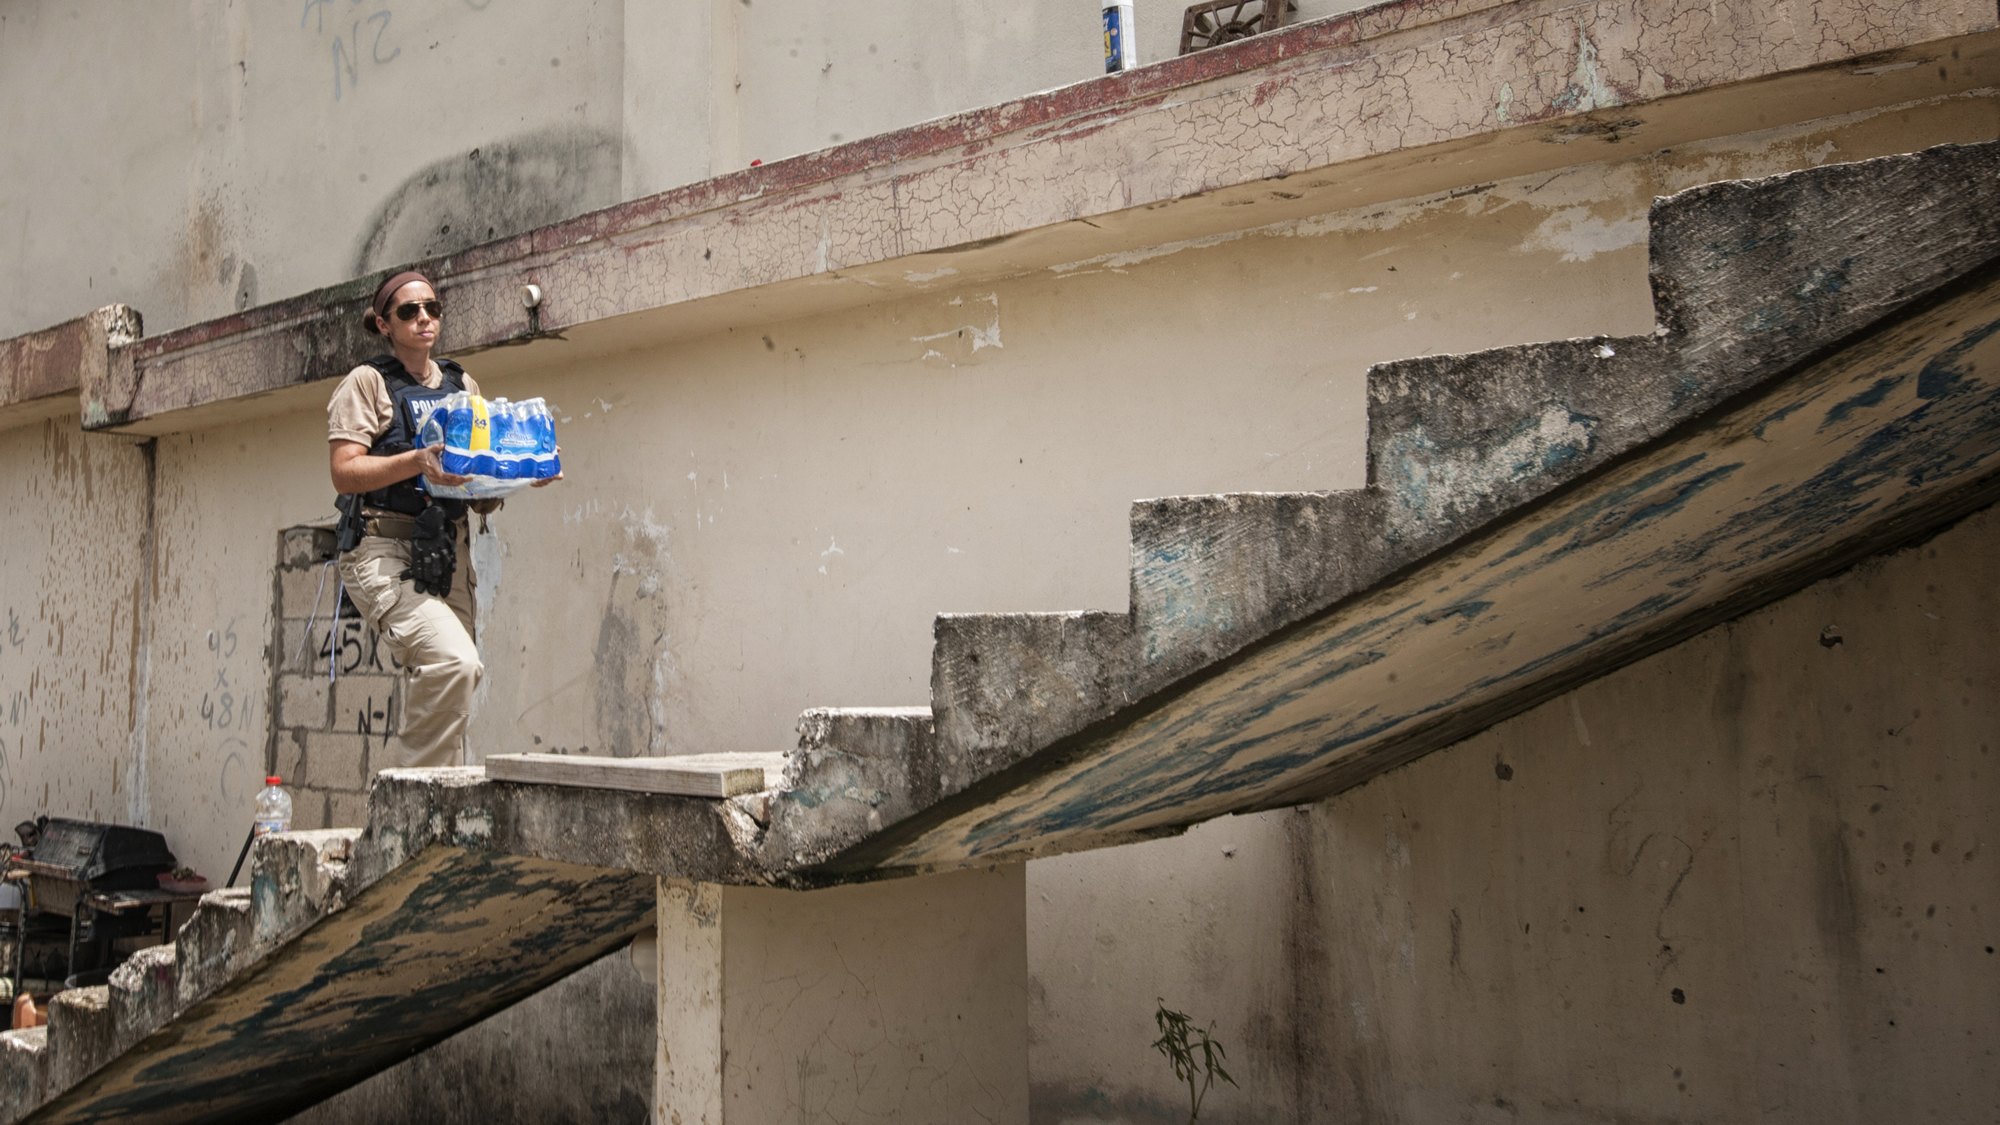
(490, 192)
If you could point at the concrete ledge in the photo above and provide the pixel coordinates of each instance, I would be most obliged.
(1185, 149)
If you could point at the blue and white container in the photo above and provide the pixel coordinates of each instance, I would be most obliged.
(503, 446)
(1121, 47)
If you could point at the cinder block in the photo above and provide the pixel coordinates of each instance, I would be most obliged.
(361, 650)
(303, 702)
(384, 750)
(304, 546)
(298, 590)
(291, 755)
(299, 654)
(347, 810)
(308, 807)
(367, 704)
(335, 761)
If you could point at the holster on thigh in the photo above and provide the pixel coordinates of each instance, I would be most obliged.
(433, 553)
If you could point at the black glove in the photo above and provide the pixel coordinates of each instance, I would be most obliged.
(433, 553)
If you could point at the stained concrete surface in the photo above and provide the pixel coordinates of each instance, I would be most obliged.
(1790, 835)
(576, 1053)
(74, 520)
(499, 189)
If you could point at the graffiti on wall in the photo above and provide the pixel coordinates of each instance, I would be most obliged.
(226, 712)
(364, 44)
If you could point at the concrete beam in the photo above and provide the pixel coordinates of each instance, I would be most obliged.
(1390, 102)
(41, 372)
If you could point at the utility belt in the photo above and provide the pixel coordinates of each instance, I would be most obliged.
(432, 536)
(393, 527)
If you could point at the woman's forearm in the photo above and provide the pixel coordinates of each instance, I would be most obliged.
(355, 470)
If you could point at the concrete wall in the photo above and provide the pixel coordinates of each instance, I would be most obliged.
(284, 147)
(1745, 879)
(765, 518)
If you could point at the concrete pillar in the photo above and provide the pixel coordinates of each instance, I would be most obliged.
(903, 1001)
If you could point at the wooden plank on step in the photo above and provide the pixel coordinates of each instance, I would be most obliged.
(688, 775)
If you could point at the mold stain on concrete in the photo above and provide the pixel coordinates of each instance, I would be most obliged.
(499, 189)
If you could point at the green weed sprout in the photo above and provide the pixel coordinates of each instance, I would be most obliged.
(1196, 1056)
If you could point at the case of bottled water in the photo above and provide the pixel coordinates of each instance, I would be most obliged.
(501, 445)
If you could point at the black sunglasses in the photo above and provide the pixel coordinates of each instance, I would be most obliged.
(408, 310)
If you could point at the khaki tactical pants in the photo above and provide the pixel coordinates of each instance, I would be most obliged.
(431, 638)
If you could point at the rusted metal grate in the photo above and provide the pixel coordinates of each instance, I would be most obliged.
(1212, 23)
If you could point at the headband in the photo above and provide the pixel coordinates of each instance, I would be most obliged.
(387, 293)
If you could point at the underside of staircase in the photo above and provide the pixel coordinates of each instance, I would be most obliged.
(1823, 384)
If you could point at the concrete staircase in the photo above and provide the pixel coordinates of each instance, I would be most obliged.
(349, 951)
(1536, 516)
(1756, 285)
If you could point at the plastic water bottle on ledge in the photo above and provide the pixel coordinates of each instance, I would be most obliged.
(274, 809)
(1121, 48)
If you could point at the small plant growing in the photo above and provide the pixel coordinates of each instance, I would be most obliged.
(1196, 1056)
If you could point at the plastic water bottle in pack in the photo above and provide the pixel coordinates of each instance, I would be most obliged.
(503, 446)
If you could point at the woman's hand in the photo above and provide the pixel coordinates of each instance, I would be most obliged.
(355, 470)
(545, 482)
(430, 463)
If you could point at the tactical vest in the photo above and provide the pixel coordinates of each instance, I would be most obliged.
(412, 404)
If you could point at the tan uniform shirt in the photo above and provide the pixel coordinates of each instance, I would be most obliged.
(362, 410)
